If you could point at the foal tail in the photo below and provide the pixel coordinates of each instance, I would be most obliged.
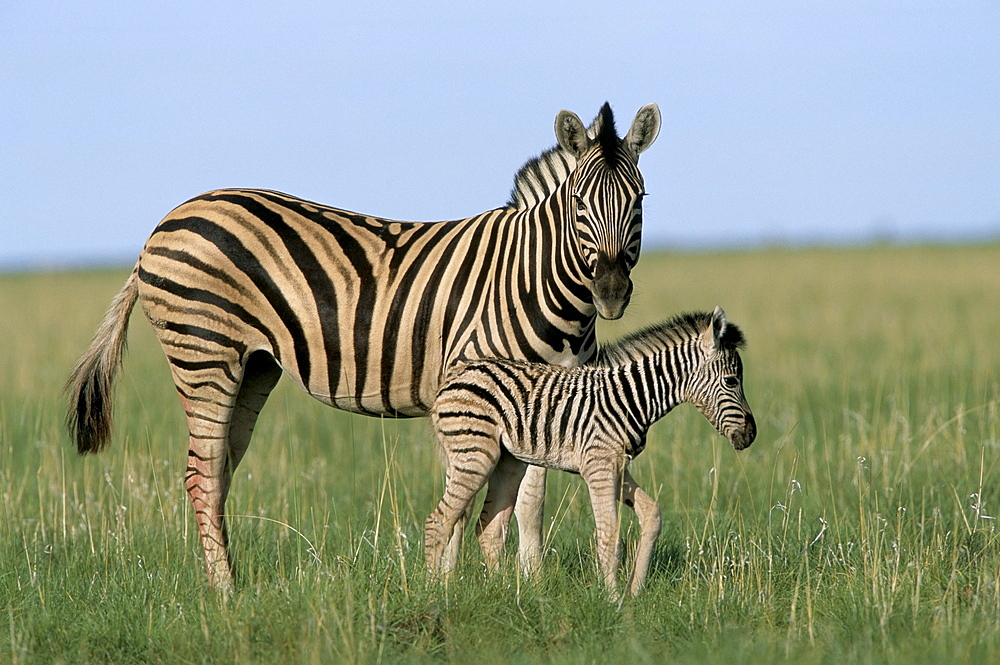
(89, 386)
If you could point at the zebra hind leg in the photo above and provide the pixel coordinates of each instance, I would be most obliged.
(221, 404)
(260, 375)
(467, 474)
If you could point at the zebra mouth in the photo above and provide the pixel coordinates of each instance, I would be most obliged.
(742, 437)
(611, 311)
(740, 441)
(611, 288)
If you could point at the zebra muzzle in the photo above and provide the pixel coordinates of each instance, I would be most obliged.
(742, 437)
(611, 288)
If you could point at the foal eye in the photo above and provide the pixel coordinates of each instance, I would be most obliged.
(731, 381)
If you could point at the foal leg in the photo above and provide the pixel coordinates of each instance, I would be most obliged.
(529, 510)
(454, 546)
(467, 473)
(649, 527)
(603, 480)
(501, 495)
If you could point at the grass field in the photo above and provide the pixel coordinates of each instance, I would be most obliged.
(859, 528)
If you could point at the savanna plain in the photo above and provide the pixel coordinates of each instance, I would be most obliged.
(860, 527)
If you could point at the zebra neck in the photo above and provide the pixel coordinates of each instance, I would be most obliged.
(531, 272)
(542, 194)
(550, 250)
(540, 177)
(658, 382)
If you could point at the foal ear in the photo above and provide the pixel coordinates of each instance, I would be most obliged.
(644, 129)
(571, 133)
(711, 338)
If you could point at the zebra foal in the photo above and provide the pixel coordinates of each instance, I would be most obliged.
(590, 420)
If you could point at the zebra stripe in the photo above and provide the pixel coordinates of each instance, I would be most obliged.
(590, 420)
(365, 313)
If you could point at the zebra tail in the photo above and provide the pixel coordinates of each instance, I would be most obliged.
(90, 385)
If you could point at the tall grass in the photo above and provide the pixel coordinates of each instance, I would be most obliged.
(860, 527)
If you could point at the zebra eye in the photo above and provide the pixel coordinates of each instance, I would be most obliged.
(580, 205)
(731, 381)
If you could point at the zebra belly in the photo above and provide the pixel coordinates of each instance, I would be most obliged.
(217, 338)
(558, 455)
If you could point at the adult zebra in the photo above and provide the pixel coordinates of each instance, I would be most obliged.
(364, 313)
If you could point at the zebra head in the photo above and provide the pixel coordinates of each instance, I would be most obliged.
(716, 388)
(605, 200)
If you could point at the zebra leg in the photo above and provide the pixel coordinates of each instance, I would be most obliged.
(222, 407)
(648, 513)
(529, 511)
(260, 375)
(207, 479)
(467, 473)
(501, 496)
(604, 484)
(454, 547)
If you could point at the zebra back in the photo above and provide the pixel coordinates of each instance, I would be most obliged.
(364, 313)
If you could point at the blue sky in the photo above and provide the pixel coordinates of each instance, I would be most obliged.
(782, 122)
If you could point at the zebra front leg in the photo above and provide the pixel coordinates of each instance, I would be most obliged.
(529, 510)
(648, 513)
(604, 485)
(498, 507)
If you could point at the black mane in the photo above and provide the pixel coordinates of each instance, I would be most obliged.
(542, 174)
(607, 136)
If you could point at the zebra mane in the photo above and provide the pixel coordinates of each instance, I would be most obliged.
(666, 334)
(541, 175)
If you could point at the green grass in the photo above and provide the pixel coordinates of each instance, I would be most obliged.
(859, 528)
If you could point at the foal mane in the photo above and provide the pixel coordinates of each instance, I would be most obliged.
(667, 334)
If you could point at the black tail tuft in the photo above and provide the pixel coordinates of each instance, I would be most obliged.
(91, 383)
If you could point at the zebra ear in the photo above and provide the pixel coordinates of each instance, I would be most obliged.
(644, 129)
(571, 133)
(711, 338)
